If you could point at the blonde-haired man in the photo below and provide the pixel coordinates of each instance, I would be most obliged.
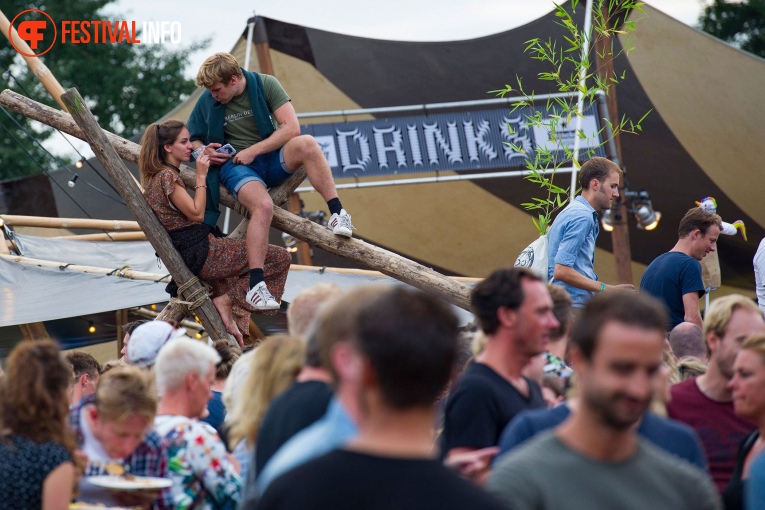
(705, 402)
(252, 112)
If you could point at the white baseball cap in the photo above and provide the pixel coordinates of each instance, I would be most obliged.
(147, 339)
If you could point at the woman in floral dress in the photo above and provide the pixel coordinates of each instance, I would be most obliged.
(218, 260)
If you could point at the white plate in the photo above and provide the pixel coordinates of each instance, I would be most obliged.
(123, 484)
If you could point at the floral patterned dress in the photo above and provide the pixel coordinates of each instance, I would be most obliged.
(203, 475)
(226, 269)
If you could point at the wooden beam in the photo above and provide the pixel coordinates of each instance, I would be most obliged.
(125, 272)
(34, 63)
(114, 236)
(135, 201)
(34, 331)
(86, 223)
(121, 318)
(620, 236)
(359, 251)
(303, 249)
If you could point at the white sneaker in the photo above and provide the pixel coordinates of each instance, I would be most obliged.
(341, 224)
(260, 298)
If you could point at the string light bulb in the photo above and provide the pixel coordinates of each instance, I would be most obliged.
(73, 181)
(80, 162)
(91, 327)
(153, 306)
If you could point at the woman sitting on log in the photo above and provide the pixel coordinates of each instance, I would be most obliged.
(218, 260)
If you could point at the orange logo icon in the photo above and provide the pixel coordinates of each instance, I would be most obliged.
(32, 32)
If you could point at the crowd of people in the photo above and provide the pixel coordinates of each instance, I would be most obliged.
(566, 392)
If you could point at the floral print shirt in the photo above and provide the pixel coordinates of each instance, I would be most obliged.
(203, 476)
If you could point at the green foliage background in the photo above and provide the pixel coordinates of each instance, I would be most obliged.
(126, 86)
(739, 23)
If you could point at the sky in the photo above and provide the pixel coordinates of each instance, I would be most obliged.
(414, 20)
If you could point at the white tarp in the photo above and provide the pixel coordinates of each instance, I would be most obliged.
(36, 294)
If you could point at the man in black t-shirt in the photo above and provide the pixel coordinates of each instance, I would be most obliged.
(406, 347)
(516, 314)
(307, 400)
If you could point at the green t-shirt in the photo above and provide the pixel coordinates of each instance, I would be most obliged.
(239, 126)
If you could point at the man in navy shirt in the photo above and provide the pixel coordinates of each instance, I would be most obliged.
(675, 277)
(571, 240)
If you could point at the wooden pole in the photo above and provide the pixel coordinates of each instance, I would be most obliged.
(113, 236)
(156, 234)
(121, 317)
(34, 331)
(361, 252)
(41, 221)
(303, 250)
(35, 64)
(118, 272)
(620, 236)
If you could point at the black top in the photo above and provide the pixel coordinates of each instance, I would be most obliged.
(301, 405)
(24, 466)
(349, 480)
(733, 495)
(483, 403)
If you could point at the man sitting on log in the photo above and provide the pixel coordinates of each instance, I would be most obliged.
(251, 113)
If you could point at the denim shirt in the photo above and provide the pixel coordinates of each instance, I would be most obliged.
(571, 242)
(329, 433)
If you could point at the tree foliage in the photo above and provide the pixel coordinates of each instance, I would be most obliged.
(126, 86)
(739, 23)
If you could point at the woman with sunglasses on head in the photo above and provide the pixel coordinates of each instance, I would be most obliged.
(220, 261)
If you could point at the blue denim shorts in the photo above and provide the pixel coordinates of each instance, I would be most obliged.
(268, 169)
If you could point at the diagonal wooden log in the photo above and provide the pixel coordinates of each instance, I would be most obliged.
(387, 262)
(135, 201)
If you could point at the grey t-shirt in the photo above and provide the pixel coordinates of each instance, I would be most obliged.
(545, 474)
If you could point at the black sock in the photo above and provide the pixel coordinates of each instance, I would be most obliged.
(335, 206)
(256, 276)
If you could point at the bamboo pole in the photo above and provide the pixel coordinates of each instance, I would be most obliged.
(158, 236)
(361, 252)
(41, 221)
(120, 272)
(39, 69)
(114, 236)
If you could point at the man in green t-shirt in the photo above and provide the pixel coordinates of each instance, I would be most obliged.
(595, 459)
(253, 113)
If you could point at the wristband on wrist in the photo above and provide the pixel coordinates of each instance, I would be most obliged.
(602, 287)
(200, 186)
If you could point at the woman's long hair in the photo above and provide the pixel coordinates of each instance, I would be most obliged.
(35, 401)
(151, 159)
(276, 364)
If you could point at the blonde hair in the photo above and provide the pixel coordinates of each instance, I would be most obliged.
(690, 366)
(151, 159)
(218, 68)
(755, 343)
(126, 391)
(720, 311)
(276, 364)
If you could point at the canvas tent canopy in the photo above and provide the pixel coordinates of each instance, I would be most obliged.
(31, 293)
(698, 140)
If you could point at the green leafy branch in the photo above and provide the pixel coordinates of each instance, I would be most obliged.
(565, 60)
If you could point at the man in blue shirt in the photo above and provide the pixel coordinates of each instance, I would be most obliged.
(675, 276)
(571, 240)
